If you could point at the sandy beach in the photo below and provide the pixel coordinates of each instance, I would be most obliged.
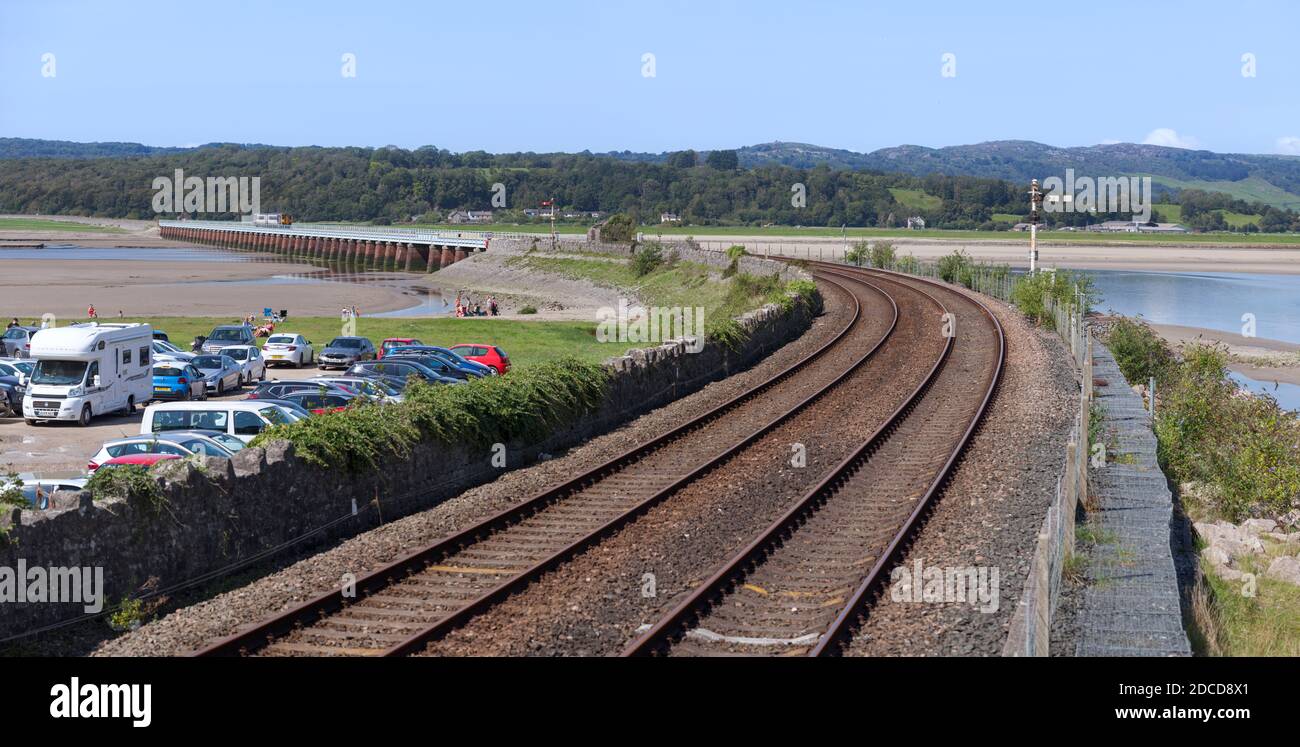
(1257, 358)
(249, 282)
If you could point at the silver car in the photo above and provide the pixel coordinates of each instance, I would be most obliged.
(179, 443)
(221, 373)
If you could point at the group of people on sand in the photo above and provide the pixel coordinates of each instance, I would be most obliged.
(468, 307)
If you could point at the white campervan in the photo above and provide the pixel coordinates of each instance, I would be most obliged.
(88, 369)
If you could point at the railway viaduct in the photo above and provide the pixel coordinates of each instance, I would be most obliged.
(393, 249)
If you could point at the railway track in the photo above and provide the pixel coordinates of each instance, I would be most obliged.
(801, 586)
(398, 608)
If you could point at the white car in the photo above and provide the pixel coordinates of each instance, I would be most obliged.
(286, 347)
(252, 366)
(164, 349)
(243, 419)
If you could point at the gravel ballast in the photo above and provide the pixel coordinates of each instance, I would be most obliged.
(187, 629)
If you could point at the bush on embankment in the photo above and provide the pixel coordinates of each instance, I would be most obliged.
(1244, 450)
(1063, 286)
(529, 403)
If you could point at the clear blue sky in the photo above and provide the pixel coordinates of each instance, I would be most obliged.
(543, 76)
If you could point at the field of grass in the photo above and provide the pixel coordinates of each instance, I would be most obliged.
(915, 199)
(1011, 218)
(526, 341)
(685, 284)
(1170, 213)
(1252, 189)
(1237, 220)
(38, 224)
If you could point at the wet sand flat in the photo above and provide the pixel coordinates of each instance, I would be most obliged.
(163, 288)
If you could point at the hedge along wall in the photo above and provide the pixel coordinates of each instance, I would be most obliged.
(224, 514)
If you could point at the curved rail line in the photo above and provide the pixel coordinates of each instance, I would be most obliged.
(699, 603)
(609, 512)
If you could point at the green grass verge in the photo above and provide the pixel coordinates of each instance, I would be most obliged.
(1238, 620)
(672, 284)
(38, 224)
(526, 341)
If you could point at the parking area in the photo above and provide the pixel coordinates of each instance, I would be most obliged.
(62, 449)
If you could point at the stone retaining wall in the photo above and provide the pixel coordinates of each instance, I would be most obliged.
(228, 513)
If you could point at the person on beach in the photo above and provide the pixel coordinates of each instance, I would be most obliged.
(90, 312)
(493, 309)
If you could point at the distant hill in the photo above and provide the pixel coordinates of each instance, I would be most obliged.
(1270, 179)
(18, 147)
(1265, 178)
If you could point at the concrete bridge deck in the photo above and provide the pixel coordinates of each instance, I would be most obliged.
(384, 249)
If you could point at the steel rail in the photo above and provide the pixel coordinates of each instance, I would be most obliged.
(503, 590)
(260, 634)
(841, 627)
(662, 631)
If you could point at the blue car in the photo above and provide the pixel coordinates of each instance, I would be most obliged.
(451, 358)
(178, 380)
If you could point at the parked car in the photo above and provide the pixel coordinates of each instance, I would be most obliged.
(179, 443)
(229, 442)
(291, 409)
(277, 389)
(178, 380)
(372, 389)
(252, 365)
(401, 368)
(293, 349)
(11, 397)
(472, 368)
(226, 335)
(323, 400)
(396, 342)
(19, 369)
(488, 355)
(242, 419)
(342, 352)
(439, 364)
(137, 460)
(220, 372)
(17, 341)
(164, 349)
(38, 491)
(158, 334)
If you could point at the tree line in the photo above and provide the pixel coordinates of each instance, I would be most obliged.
(396, 185)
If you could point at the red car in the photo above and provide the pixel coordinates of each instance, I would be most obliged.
(396, 342)
(138, 460)
(488, 355)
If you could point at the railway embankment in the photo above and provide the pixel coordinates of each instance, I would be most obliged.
(194, 522)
